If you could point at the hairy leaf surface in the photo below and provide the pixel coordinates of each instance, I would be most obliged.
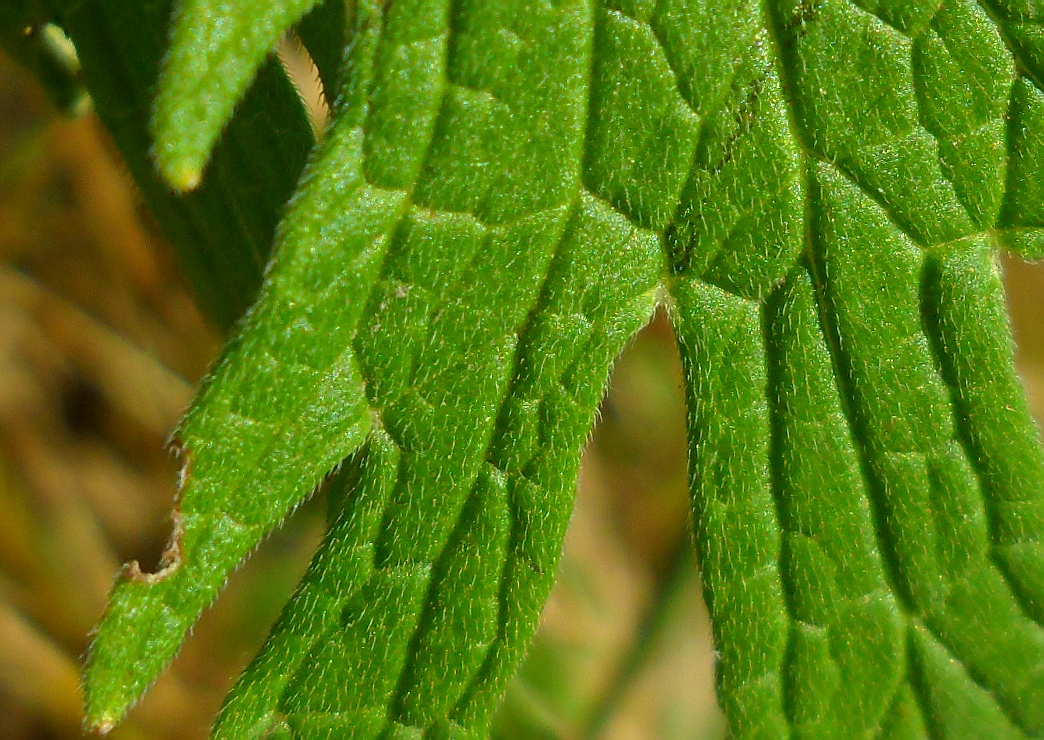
(816, 190)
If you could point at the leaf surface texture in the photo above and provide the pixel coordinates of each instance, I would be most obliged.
(816, 190)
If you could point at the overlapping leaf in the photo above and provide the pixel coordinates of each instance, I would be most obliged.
(817, 189)
(223, 230)
(26, 35)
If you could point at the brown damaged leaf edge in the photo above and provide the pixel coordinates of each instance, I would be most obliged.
(169, 561)
(170, 558)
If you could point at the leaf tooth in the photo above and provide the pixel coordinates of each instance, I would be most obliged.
(934, 516)
(737, 526)
(972, 338)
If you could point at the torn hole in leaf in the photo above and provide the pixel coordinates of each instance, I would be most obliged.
(233, 629)
(169, 561)
(163, 563)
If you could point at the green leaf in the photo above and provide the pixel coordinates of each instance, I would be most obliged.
(222, 232)
(216, 48)
(41, 48)
(236, 436)
(817, 190)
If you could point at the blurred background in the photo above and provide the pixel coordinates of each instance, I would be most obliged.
(100, 349)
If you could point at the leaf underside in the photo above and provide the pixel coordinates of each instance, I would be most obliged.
(817, 190)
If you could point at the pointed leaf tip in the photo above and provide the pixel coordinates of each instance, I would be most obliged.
(182, 176)
(216, 48)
